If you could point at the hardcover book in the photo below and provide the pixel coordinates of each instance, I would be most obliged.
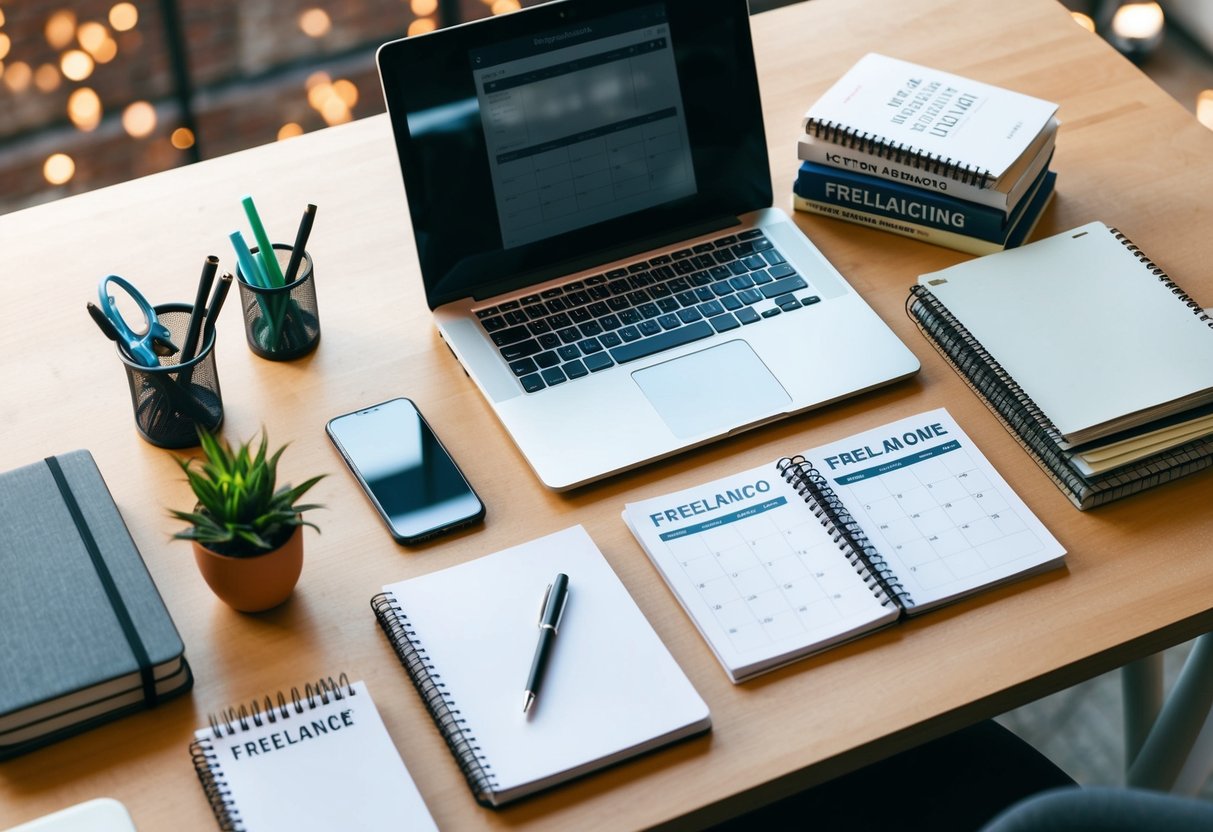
(904, 202)
(1018, 230)
(84, 633)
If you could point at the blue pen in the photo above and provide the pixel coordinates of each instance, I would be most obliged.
(249, 267)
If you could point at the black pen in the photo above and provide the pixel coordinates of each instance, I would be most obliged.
(554, 600)
(198, 313)
(212, 311)
(305, 230)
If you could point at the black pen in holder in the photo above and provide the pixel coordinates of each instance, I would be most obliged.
(283, 322)
(173, 399)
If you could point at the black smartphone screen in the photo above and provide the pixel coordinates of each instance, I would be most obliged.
(411, 479)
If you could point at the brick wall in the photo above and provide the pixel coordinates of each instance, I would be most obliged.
(249, 62)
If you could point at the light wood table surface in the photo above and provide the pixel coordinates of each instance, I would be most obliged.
(1139, 576)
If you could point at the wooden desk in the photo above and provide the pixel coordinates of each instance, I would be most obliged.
(1139, 578)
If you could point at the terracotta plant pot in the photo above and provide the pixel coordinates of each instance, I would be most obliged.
(257, 583)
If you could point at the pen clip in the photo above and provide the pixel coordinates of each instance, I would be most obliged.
(543, 605)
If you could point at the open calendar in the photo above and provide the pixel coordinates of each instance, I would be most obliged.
(781, 561)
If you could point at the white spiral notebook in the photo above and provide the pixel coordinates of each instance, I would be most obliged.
(466, 636)
(320, 759)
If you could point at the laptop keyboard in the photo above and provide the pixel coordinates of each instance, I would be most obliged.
(568, 332)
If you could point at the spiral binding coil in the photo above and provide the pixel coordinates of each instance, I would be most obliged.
(233, 720)
(438, 700)
(815, 490)
(876, 145)
(971, 354)
(1183, 296)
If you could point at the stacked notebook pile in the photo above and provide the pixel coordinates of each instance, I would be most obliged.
(929, 155)
(1088, 352)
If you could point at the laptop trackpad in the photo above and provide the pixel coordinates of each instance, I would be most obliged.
(713, 390)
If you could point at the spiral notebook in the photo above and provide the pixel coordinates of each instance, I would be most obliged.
(466, 636)
(934, 123)
(320, 759)
(785, 560)
(1073, 342)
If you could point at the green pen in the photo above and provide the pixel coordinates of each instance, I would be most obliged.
(268, 258)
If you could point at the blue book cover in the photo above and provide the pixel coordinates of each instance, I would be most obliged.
(898, 201)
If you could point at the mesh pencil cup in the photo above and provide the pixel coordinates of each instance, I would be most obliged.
(283, 322)
(172, 400)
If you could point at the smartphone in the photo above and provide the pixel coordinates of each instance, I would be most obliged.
(410, 478)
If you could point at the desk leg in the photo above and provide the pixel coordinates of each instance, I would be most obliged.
(1176, 754)
(1141, 685)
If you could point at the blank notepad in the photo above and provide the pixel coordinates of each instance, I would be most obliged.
(612, 689)
(320, 760)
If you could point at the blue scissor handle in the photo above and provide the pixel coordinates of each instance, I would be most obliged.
(142, 347)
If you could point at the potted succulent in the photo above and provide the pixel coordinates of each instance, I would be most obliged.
(246, 531)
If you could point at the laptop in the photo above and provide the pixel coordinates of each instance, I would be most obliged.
(591, 201)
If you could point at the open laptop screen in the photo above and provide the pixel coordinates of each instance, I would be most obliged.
(569, 134)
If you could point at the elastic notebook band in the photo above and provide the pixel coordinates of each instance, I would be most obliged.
(146, 673)
(827, 507)
(454, 729)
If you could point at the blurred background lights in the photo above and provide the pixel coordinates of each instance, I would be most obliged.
(139, 119)
(91, 35)
(422, 25)
(60, 29)
(334, 111)
(346, 91)
(315, 23)
(17, 76)
(182, 138)
(84, 109)
(424, 8)
(106, 50)
(1204, 108)
(319, 93)
(123, 17)
(1084, 20)
(5, 45)
(1138, 21)
(58, 168)
(505, 6)
(289, 131)
(47, 78)
(76, 65)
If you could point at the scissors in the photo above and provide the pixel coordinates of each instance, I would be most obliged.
(143, 347)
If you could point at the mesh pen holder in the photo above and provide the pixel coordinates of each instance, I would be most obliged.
(172, 400)
(283, 322)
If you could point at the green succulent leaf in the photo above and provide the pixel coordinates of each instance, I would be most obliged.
(240, 509)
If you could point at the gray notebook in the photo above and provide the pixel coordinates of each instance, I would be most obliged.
(83, 629)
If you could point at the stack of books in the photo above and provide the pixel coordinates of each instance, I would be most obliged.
(87, 637)
(930, 155)
(1094, 359)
